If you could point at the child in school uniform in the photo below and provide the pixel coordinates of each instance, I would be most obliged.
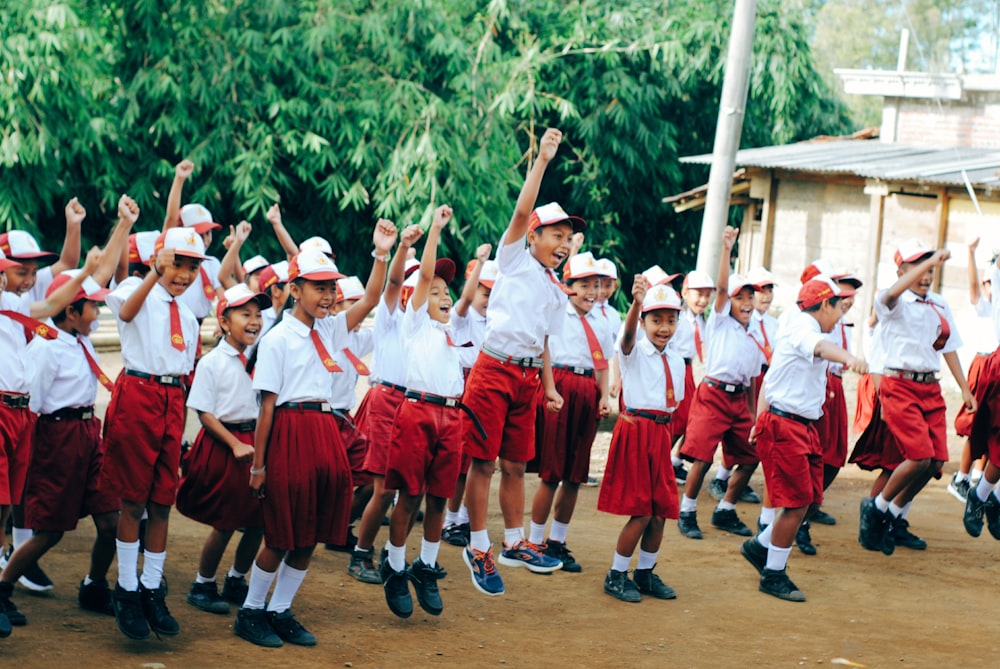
(526, 306)
(300, 469)
(213, 486)
(720, 410)
(639, 479)
(917, 329)
(785, 432)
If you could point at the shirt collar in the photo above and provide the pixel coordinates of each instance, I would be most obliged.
(909, 296)
(297, 326)
(228, 349)
(161, 293)
(646, 347)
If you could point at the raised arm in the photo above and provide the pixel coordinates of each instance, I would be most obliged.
(472, 283)
(182, 171)
(394, 285)
(639, 287)
(383, 239)
(227, 268)
(128, 214)
(975, 293)
(62, 296)
(729, 236)
(429, 257)
(285, 239)
(518, 226)
(912, 276)
(69, 256)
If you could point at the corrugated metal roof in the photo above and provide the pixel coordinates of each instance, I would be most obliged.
(873, 159)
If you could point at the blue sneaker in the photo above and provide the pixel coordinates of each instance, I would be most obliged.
(526, 554)
(484, 571)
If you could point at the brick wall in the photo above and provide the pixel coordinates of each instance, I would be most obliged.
(973, 121)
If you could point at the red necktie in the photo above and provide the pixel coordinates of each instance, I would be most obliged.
(243, 361)
(31, 326)
(945, 333)
(206, 284)
(553, 279)
(766, 347)
(671, 398)
(328, 361)
(600, 362)
(697, 340)
(451, 342)
(604, 311)
(102, 378)
(843, 336)
(176, 331)
(360, 366)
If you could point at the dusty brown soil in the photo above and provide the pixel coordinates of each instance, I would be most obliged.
(914, 609)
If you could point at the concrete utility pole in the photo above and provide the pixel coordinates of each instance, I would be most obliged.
(727, 135)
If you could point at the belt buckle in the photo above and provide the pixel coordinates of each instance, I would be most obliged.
(729, 387)
(87, 415)
(165, 380)
(325, 407)
(579, 371)
(450, 402)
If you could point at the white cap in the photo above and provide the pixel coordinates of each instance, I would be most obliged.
(655, 276)
(738, 282)
(489, 273)
(818, 266)
(183, 241)
(760, 276)
(281, 270)
(607, 267)
(238, 295)
(350, 288)
(144, 244)
(313, 265)
(316, 243)
(910, 251)
(699, 279)
(661, 297)
(253, 264)
(20, 245)
(580, 266)
(411, 265)
(198, 217)
(552, 213)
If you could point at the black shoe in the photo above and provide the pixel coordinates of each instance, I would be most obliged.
(749, 496)
(9, 608)
(687, 523)
(154, 607)
(35, 579)
(650, 584)
(960, 489)
(558, 550)
(804, 541)
(777, 584)
(755, 554)
(993, 516)
(424, 581)
(254, 625)
(235, 589)
(870, 525)
(456, 535)
(717, 489)
(903, 537)
(681, 474)
(128, 613)
(821, 517)
(361, 566)
(397, 590)
(728, 520)
(96, 596)
(205, 596)
(888, 544)
(291, 630)
(5, 626)
(620, 586)
(975, 509)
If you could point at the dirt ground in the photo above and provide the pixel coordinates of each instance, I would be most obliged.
(911, 609)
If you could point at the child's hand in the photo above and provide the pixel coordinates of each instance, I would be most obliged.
(483, 252)
(184, 169)
(274, 214)
(604, 407)
(550, 144)
(969, 401)
(575, 243)
(441, 216)
(639, 287)
(93, 260)
(410, 235)
(75, 213)
(553, 400)
(242, 452)
(973, 245)
(940, 256)
(729, 236)
(257, 484)
(384, 236)
(230, 238)
(615, 388)
(857, 365)
(128, 210)
(164, 259)
(242, 232)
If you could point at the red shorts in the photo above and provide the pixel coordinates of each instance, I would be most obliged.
(215, 486)
(356, 444)
(426, 450)
(503, 400)
(915, 413)
(63, 477)
(864, 404)
(380, 415)
(792, 459)
(963, 421)
(15, 452)
(639, 476)
(143, 429)
(307, 488)
(563, 440)
(679, 421)
(719, 416)
(832, 425)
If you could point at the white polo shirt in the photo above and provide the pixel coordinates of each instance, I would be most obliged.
(61, 376)
(731, 355)
(644, 380)
(388, 358)
(14, 369)
(796, 379)
(910, 328)
(571, 347)
(343, 385)
(474, 324)
(146, 339)
(288, 363)
(433, 366)
(222, 386)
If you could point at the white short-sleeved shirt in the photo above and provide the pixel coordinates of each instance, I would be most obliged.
(764, 329)
(146, 339)
(876, 350)
(432, 365)
(910, 328)
(796, 379)
(343, 384)
(683, 340)
(982, 338)
(222, 386)
(388, 358)
(571, 347)
(288, 363)
(732, 355)
(474, 324)
(840, 336)
(194, 296)
(43, 280)
(526, 303)
(644, 381)
(995, 304)
(608, 313)
(14, 369)
(62, 377)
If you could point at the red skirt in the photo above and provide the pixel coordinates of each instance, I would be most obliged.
(876, 448)
(639, 476)
(963, 421)
(356, 444)
(307, 490)
(679, 420)
(215, 486)
(563, 440)
(832, 425)
(864, 407)
(15, 452)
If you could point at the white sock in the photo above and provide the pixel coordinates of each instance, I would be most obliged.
(647, 560)
(512, 535)
(726, 506)
(128, 564)
(766, 515)
(764, 538)
(429, 552)
(152, 569)
(288, 582)
(960, 476)
(984, 488)
(463, 515)
(881, 503)
(977, 473)
(234, 573)
(87, 580)
(559, 531)
(688, 504)
(723, 473)
(397, 556)
(621, 562)
(204, 579)
(20, 535)
(479, 540)
(537, 533)
(260, 583)
(676, 460)
(777, 558)
(906, 509)
(450, 518)
(895, 509)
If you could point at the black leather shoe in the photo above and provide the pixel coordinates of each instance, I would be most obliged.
(8, 608)
(291, 630)
(128, 613)
(558, 550)
(777, 584)
(154, 607)
(205, 596)
(755, 553)
(804, 541)
(650, 584)
(397, 590)
(975, 508)
(254, 625)
(96, 597)
(821, 517)
(424, 581)
(620, 586)
(234, 589)
(870, 525)
(993, 516)
(729, 520)
(903, 537)
(688, 524)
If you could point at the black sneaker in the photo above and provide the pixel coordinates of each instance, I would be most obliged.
(9, 608)
(424, 579)
(888, 544)
(558, 550)
(254, 625)
(620, 586)
(35, 579)
(650, 584)
(821, 517)
(777, 584)
(903, 537)
(749, 495)
(870, 525)
(975, 509)
(729, 520)
(397, 590)
(456, 535)
(154, 607)
(96, 596)
(235, 589)
(291, 630)
(687, 523)
(128, 613)
(754, 553)
(717, 489)
(993, 516)
(362, 566)
(205, 596)
(680, 474)
(804, 541)
(959, 489)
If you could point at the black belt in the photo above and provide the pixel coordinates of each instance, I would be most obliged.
(242, 426)
(919, 377)
(793, 416)
(394, 386)
(164, 380)
(15, 400)
(725, 387)
(441, 400)
(70, 413)
(579, 371)
(323, 407)
(658, 418)
(520, 362)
